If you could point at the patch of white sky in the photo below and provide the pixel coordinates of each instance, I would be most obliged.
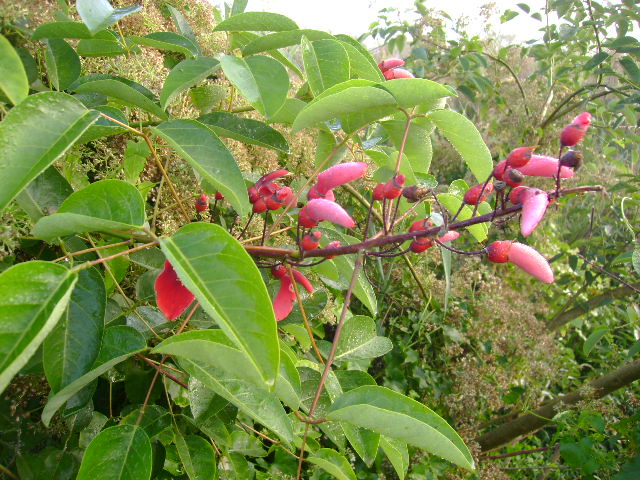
(354, 17)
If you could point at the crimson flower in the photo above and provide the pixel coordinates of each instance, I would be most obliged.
(172, 297)
(283, 302)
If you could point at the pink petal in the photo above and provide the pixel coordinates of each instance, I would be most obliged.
(270, 177)
(534, 205)
(283, 303)
(397, 73)
(531, 262)
(339, 175)
(302, 280)
(172, 297)
(450, 235)
(320, 209)
(544, 166)
(584, 120)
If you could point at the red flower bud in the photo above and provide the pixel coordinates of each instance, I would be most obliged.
(202, 203)
(283, 302)
(319, 209)
(522, 256)
(270, 177)
(571, 159)
(253, 194)
(310, 241)
(278, 271)
(259, 206)
(512, 177)
(314, 193)
(449, 236)
(419, 246)
(538, 166)
(572, 134)
(172, 297)
(272, 202)
(219, 196)
(472, 196)
(514, 196)
(393, 188)
(520, 156)
(378, 192)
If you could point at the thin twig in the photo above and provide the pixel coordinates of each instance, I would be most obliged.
(163, 372)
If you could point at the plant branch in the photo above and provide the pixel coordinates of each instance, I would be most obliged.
(163, 372)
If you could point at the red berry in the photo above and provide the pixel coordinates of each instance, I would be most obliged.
(202, 203)
(472, 197)
(498, 252)
(520, 156)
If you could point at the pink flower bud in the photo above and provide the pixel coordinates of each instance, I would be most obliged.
(283, 303)
(522, 256)
(253, 194)
(172, 297)
(514, 197)
(310, 241)
(378, 192)
(259, 206)
(534, 205)
(390, 63)
(544, 166)
(339, 175)
(319, 209)
(520, 156)
(572, 134)
(393, 188)
(270, 177)
(449, 236)
(397, 73)
(302, 280)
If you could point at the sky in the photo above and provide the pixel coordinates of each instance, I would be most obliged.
(353, 17)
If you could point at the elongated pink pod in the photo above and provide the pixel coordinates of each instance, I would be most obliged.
(283, 303)
(534, 205)
(390, 63)
(544, 166)
(302, 280)
(320, 209)
(397, 73)
(449, 236)
(530, 261)
(339, 175)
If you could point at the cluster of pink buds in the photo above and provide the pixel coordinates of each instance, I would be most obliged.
(266, 194)
(283, 303)
(390, 70)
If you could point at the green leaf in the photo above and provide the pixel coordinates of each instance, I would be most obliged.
(345, 263)
(256, 22)
(466, 139)
(326, 64)
(204, 151)
(61, 30)
(108, 46)
(288, 387)
(118, 343)
(359, 65)
(99, 14)
(14, 83)
(135, 157)
(44, 194)
(273, 41)
(63, 64)
(394, 415)
(368, 100)
(224, 278)
(258, 403)
(168, 41)
(410, 92)
(181, 23)
(289, 111)
(197, 456)
(122, 452)
(59, 120)
(263, 81)
(103, 126)
(333, 463)
(72, 346)
(635, 259)
(417, 147)
(630, 68)
(245, 130)
(103, 206)
(186, 74)
(34, 297)
(122, 93)
(452, 203)
(206, 97)
(593, 339)
(203, 402)
(397, 453)
(359, 340)
(596, 60)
